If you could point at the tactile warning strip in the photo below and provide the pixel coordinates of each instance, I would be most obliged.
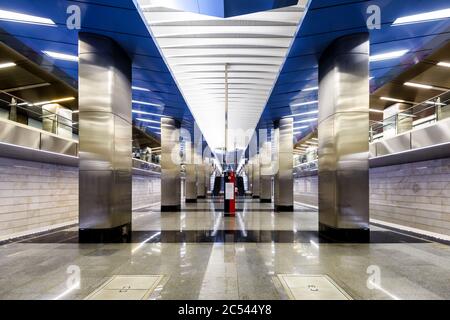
(126, 287)
(312, 287)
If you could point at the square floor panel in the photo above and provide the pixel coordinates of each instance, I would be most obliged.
(126, 287)
(312, 287)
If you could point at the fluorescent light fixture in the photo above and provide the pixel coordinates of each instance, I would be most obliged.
(61, 56)
(392, 99)
(147, 120)
(301, 127)
(423, 17)
(152, 127)
(418, 85)
(52, 101)
(75, 111)
(140, 88)
(304, 103)
(376, 110)
(311, 89)
(7, 65)
(147, 103)
(304, 113)
(388, 55)
(24, 18)
(306, 120)
(444, 64)
(424, 86)
(147, 113)
(435, 103)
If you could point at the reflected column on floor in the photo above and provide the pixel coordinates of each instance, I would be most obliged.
(105, 140)
(170, 165)
(343, 138)
(265, 157)
(283, 162)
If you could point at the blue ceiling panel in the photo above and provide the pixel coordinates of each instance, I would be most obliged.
(326, 20)
(117, 19)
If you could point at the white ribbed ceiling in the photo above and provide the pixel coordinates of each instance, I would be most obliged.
(198, 47)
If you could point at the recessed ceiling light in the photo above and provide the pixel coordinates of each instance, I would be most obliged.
(147, 113)
(24, 18)
(418, 85)
(140, 88)
(444, 64)
(304, 103)
(60, 56)
(376, 110)
(147, 120)
(304, 113)
(387, 55)
(392, 99)
(311, 89)
(424, 86)
(147, 103)
(52, 101)
(423, 17)
(306, 120)
(7, 65)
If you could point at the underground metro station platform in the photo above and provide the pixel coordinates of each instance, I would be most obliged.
(224, 150)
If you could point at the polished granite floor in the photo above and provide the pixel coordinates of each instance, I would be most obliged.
(202, 255)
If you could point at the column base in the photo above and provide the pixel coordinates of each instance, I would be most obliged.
(265, 200)
(119, 234)
(344, 235)
(255, 197)
(171, 208)
(191, 200)
(284, 208)
(201, 197)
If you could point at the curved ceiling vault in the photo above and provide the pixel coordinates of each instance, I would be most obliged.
(197, 48)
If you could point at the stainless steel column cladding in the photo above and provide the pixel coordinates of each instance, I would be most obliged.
(190, 175)
(343, 138)
(105, 140)
(283, 163)
(170, 165)
(265, 157)
(255, 176)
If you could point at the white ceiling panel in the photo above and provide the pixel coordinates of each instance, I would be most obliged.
(198, 48)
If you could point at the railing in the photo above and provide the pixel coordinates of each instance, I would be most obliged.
(415, 117)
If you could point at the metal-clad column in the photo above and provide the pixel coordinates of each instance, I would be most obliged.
(202, 170)
(265, 185)
(105, 140)
(190, 174)
(170, 165)
(343, 139)
(284, 181)
(255, 176)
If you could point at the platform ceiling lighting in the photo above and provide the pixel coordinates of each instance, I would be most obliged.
(392, 99)
(152, 127)
(311, 89)
(423, 17)
(147, 103)
(444, 64)
(146, 113)
(52, 101)
(304, 103)
(387, 55)
(423, 86)
(376, 110)
(147, 120)
(301, 127)
(202, 51)
(304, 113)
(306, 120)
(140, 88)
(60, 56)
(7, 65)
(24, 18)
